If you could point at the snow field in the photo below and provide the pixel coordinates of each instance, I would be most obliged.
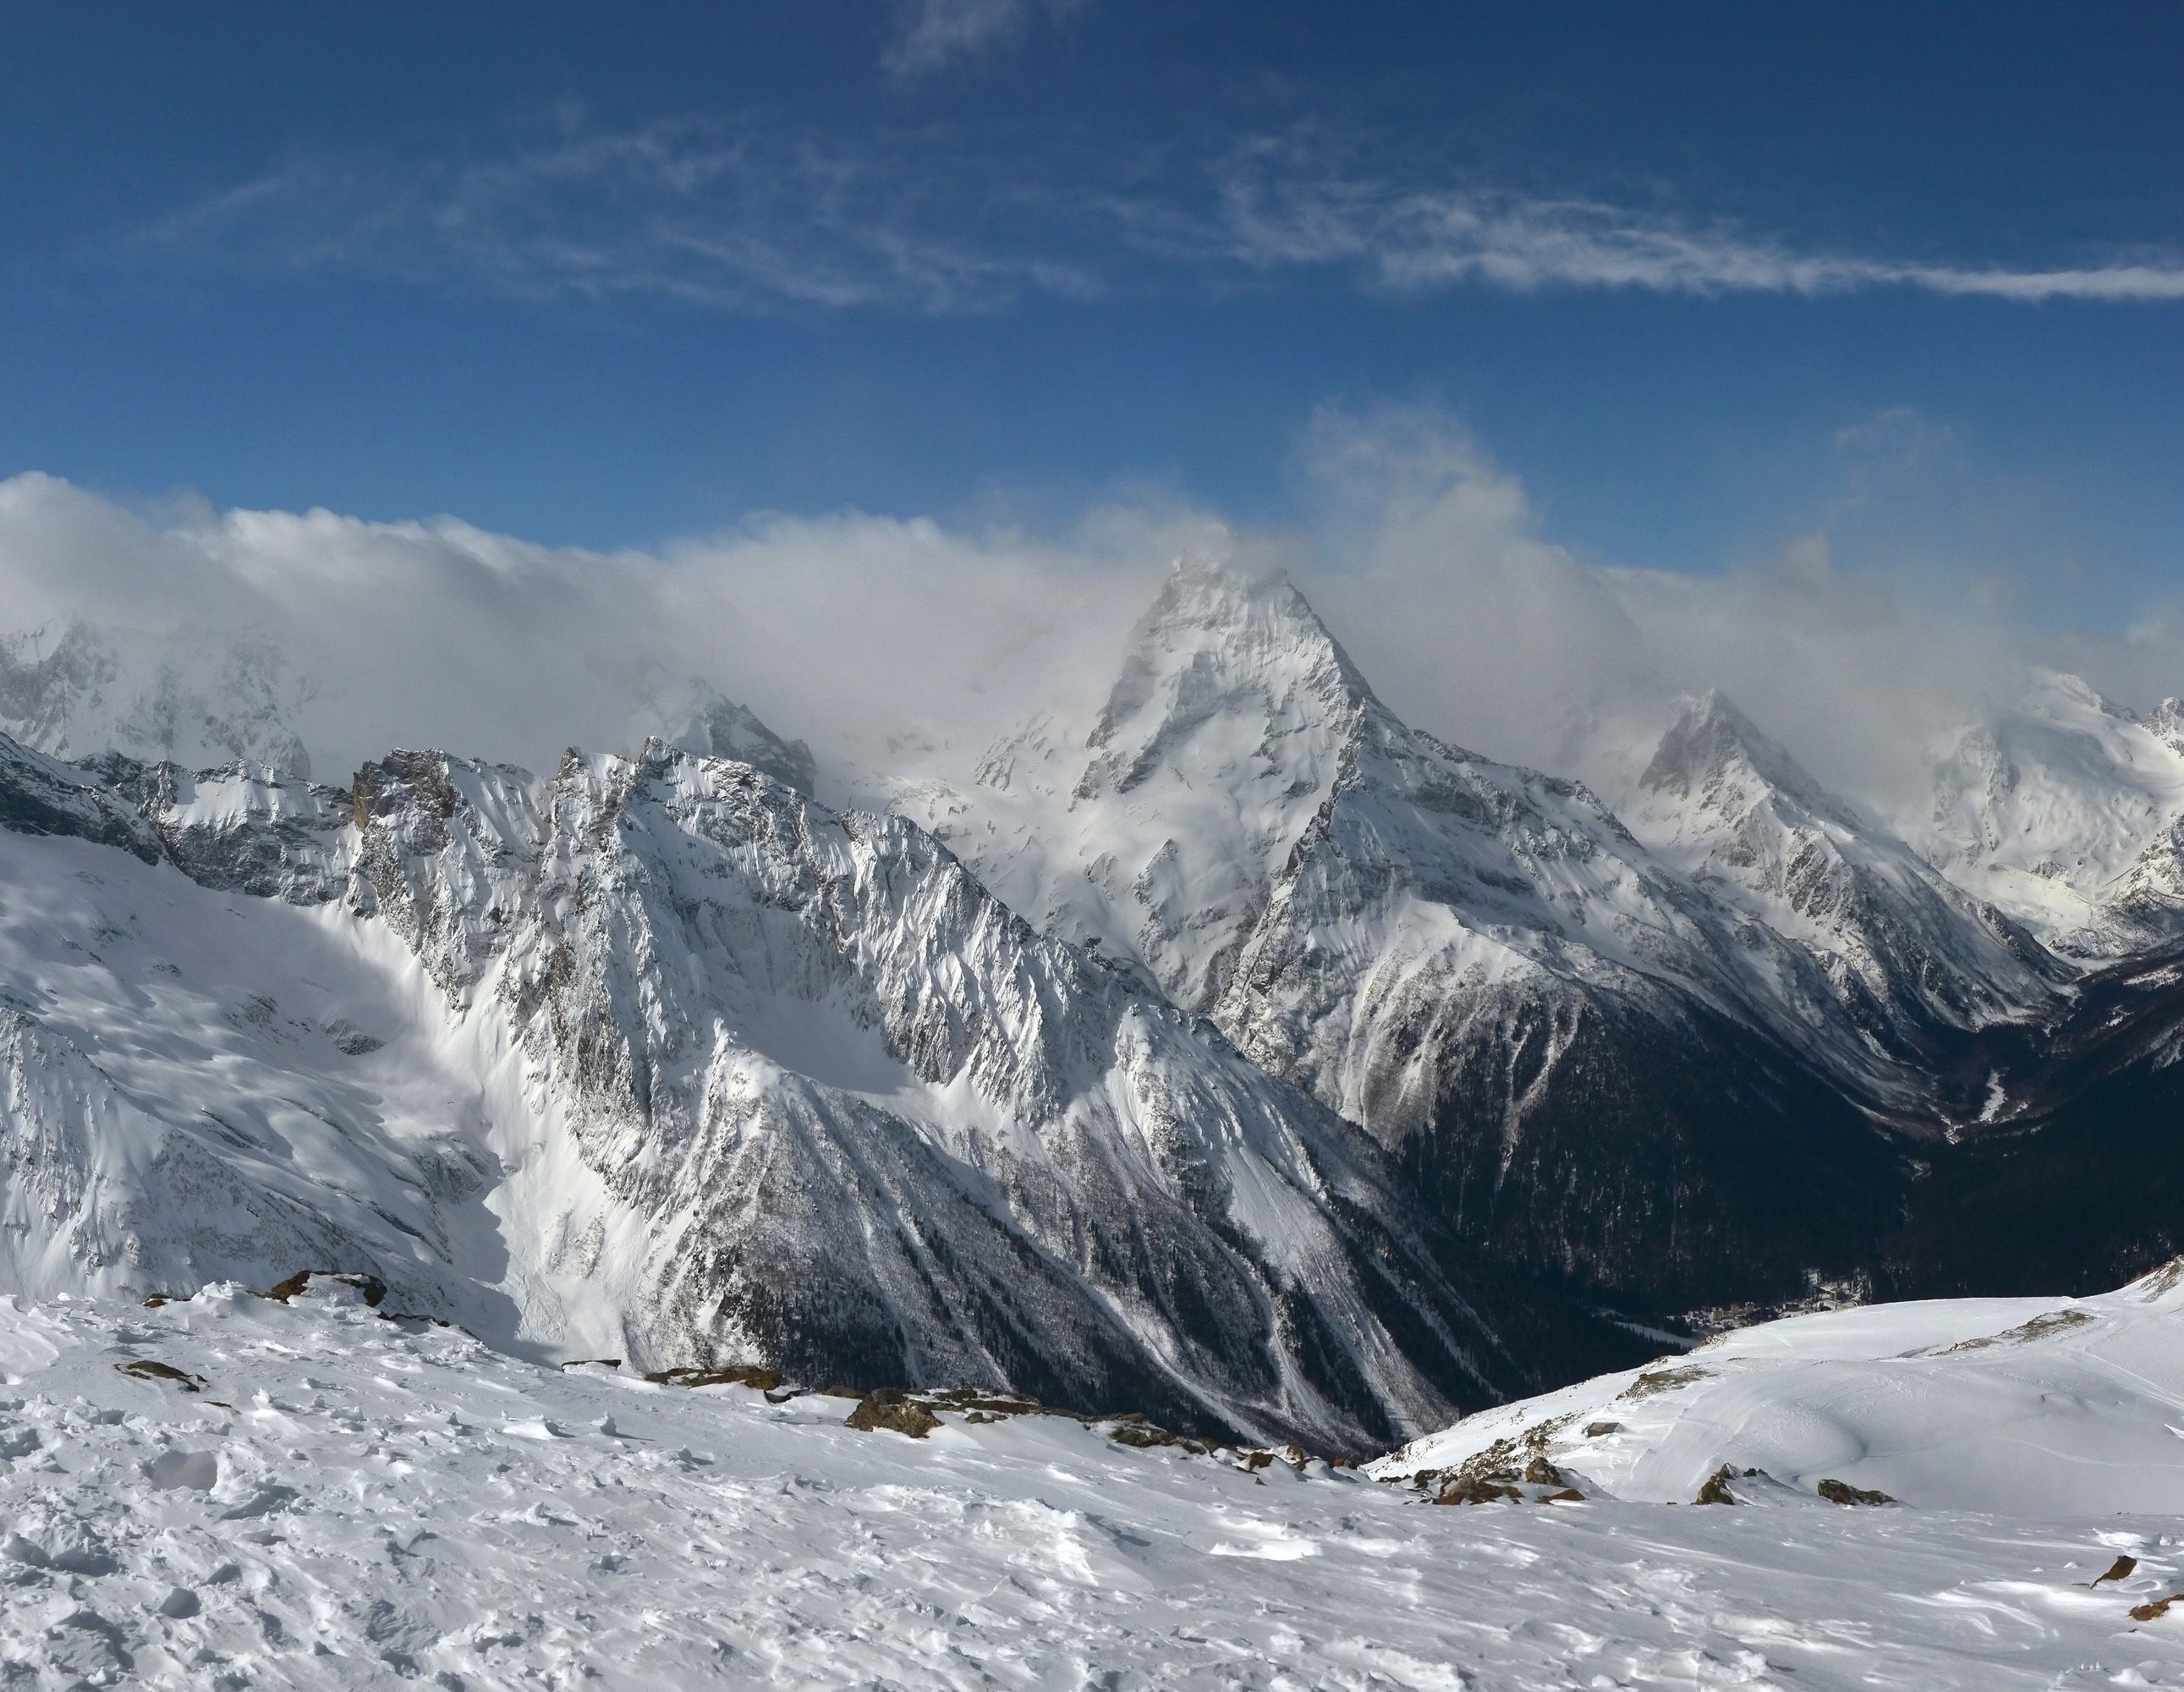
(378, 1504)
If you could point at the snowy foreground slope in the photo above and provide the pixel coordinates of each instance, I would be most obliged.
(354, 1502)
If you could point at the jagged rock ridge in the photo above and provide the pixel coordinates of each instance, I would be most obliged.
(733, 1077)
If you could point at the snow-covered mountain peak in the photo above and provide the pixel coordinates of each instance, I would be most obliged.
(1225, 667)
(711, 725)
(2070, 692)
(2060, 808)
(1714, 756)
(2165, 722)
(1232, 717)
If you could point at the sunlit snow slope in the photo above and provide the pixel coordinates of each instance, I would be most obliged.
(2035, 1406)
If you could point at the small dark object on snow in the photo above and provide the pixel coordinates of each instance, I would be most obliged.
(1594, 1430)
(2148, 1612)
(602, 1362)
(1467, 1491)
(1716, 1489)
(1145, 1436)
(1566, 1495)
(890, 1408)
(997, 1405)
(151, 1369)
(752, 1375)
(2119, 1569)
(373, 1288)
(1842, 1492)
(1655, 1382)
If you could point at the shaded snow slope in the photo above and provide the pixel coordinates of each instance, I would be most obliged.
(2018, 1406)
(196, 1085)
(1906, 950)
(373, 1504)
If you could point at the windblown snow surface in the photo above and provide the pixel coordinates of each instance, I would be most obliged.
(339, 1500)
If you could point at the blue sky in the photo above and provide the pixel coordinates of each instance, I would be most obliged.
(1704, 278)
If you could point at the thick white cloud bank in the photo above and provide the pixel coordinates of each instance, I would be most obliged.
(871, 636)
(439, 633)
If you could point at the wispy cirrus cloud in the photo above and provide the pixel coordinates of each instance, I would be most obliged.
(936, 34)
(1281, 205)
(727, 215)
(736, 214)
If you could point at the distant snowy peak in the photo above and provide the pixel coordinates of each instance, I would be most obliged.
(1232, 717)
(1715, 759)
(1731, 807)
(2165, 723)
(713, 726)
(2060, 810)
(195, 696)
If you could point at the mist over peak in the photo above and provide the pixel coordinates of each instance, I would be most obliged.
(311, 642)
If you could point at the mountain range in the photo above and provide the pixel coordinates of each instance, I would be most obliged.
(1241, 1054)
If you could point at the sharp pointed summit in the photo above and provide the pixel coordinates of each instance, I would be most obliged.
(1712, 754)
(1219, 651)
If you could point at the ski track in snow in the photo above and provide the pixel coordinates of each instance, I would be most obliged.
(389, 1504)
